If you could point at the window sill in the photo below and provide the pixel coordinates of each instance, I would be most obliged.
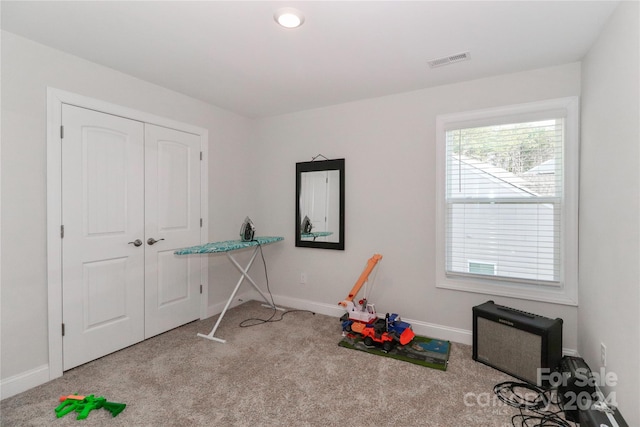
(551, 295)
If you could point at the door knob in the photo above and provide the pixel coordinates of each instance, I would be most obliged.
(136, 242)
(152, 241)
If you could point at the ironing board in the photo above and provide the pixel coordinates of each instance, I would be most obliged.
(315, 234)
(227, 247)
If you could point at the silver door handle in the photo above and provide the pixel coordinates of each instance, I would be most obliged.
(152, 241)
(136, 242)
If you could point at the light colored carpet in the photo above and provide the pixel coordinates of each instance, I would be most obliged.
(287, 373)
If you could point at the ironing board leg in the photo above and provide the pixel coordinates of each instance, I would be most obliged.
(243, 276)
(246, 276)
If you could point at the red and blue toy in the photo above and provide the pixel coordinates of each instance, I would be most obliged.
(362, 320)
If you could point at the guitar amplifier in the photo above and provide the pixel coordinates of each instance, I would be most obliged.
(516, 342)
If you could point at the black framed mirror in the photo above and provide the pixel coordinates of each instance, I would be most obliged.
(320, 204)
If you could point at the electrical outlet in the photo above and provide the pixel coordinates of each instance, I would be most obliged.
(603, 354)
(303, 278)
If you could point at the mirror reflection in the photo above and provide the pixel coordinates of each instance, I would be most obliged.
(320, 204)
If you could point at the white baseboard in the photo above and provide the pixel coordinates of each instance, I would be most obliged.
(40, 375)
(24, 381)
(431, 330)
(300, 304)
(570, 352)
(214, 309)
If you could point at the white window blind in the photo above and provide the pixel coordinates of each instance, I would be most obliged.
(507, 201)
(504, 196)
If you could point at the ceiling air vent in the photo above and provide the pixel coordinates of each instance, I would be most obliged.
(446, 60)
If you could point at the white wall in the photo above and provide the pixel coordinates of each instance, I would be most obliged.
(389, 147)
(27, 69)
(609, 207)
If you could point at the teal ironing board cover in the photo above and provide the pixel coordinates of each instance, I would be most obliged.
(227, 246)
(316, 234)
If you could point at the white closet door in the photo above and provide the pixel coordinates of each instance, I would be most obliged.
(172, 211)
(102, 212)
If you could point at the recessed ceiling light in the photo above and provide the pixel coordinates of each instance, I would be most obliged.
(289, 17)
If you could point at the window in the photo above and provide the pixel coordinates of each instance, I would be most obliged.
(507, 201)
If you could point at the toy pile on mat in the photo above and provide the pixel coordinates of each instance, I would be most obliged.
(85, 404)
(361, 319)
(363, 330)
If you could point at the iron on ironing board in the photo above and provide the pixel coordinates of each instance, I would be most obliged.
(247, 230)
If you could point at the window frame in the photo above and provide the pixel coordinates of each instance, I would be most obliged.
(567, 291)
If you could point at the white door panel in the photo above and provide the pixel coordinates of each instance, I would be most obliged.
(315, 202)
(104, 292)
(102, 210)
(173, 178)
(172, 212)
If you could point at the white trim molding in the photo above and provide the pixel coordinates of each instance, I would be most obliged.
(566, 292)
(432, 330)
(55, 99)
(24, 381)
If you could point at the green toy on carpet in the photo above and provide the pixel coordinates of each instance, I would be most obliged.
(85, 404)
(422, 351)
